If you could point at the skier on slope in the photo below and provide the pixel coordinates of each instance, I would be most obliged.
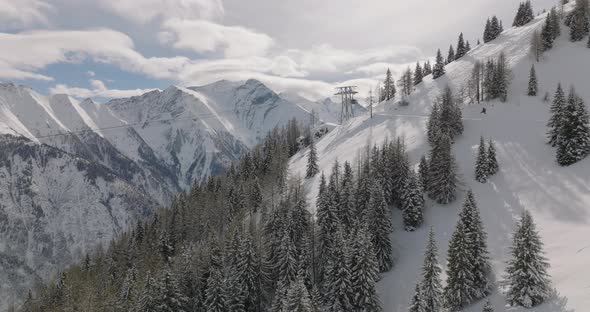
(483, 110)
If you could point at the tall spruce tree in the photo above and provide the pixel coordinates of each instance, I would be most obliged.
(460, 289)
(379, 218)
(495, 27)
(555, 22)
(312, 160)
(487, 307)
(556, 119)
(298, 298)
(433, 127)
(338, 291)
(364, 270)
(481, 163)
(527, 276)
(578, 21)
(461, 47)
(477, 246)
(533, 85)
(431, 285)
(487, 33)
(412, 203)
(547, 34)
(574, 134)
(388, 87)
(416, 305)
(418, 74)
(493, 166)
(442, 177)
(423, 172)
(439, 66)
(451, 55)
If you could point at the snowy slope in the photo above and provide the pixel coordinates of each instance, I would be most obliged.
(559, 198)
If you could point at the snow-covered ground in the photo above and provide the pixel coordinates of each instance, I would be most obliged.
(558, 197)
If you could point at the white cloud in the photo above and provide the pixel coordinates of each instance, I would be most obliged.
(91, 73)
(30, 51)
(325, 58)
(98, 89)
(204, 36)
(18, 14)
(143, 11)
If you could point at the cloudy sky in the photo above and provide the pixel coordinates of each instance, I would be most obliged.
(118, 48)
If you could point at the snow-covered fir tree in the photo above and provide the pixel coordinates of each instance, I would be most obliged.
(388, 87)
(442, 177)
(487, 33)
(493, 166)
(574, 134)
(412, 203)
(431, 285)
(536, 46)
(487, 307)
(481, 163)
(555, 22)
(171, 298)
(451, 55)
(578, 21)
(337, 289)
(450, 119)
(461, 47)
(378, 217)
(439, 66)
(533, 85)
(298, 298)
(312, 160)
(477, 245)
(527, 276)
(215, 300)
(524, 14)
(416, 305)
(556, 119)
(547, 34)
(433, 126)
(418, 74)
(460, 289)
(364, 273)
(427, 70)
(423, 172)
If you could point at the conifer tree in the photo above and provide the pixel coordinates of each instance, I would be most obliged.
(364, 272)
(487, 307)
(578, 21)
(460, 290)
(556, 119)
(412, 203)
(574, 134)
(388, 87)
(536, 46)
(312, 160)
(493, 166)
(481, 163)
(533, 85)
(467, 46)
(298, 298)
(416, 305)
(338, 291)
(501, 76)
(487, 33)
(461, 48)
(286, 261)
(495, 28)
(381, 228)
(423, 172)
(547, 34)
(279, 301)
(431, 285)
(439, 67)
(555, 23)
(442, 176)
(418, 74)
(527, 275)
(477, 246)
(451, 55)
(215, 300)
(427, 69)
(148, 299)
(171, 298)
(433, 127)
(247, 271)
